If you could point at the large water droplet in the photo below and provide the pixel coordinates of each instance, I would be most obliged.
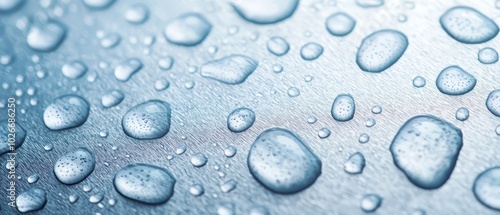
(65, 112)
(125, 70)
(355, 164)
(487, 188)
(278, 46)
(453, 80)
(112, 98)
(31, 200)
(137, 13)
(370, 3)
(280, 161)
(240, 119)
(148, 120)
(343, 108)
(98, 4)
(20, 133)
(74, 69)
(263, 11)
(380, 50)
(467, 25)
(370, 203)
(487, 56)
(74, 166)
(46, 37)
(340, 24)
(233, 69)
(145, 183)
(7, 6)
(311, 51)
(188, 29)
(426, 149)
(493, 102)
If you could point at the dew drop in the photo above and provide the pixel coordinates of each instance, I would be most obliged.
(363, 138)
(68, 111)
(376, 109)
(454, 81)
(228, 186)
(33, 178)
(181, 150)
(98, 4)
(199, 159)
(148, 120)
(74, 166)
(380, 50)
(370, 122)
(162, 84)
(277, 68)
(311, 120)
(73, 198)
(166, 63)
(110, 40)
(487, 188)
(370, 3)
(96, 198)
(7, 6)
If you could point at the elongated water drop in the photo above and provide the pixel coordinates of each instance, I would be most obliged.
(487, 56)
(188, 29)
(430, 142)
(112, 98)
(228, 186)
(355, 164)
(240, 119)
(311, 51)
(264, 11)
(125, 70)
(74, 166)
(233, 69)
(65, 112)
(380, 50)
(343, 108)
(46, 37)
(74, 69)
(31, 200)
(148, 120)
(20, 135)
(454, 81)
(467, 25)
(110, 40)
(340, 24)
(280, 161)
(278, 46)
(137, 13)
(487, 188)
(145, 183)
(493, 102)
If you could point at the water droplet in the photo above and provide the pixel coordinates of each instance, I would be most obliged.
(20, 135)
(293, 92)
(196, 190)
(73, 198)
(230, 151)
(487, 188)
(240, 119)
(343, 108)
(487, 56)
(103, 134)
(311, 120)
(370, 3)
(311, 51)
(181, 150)
(324, 133)
(467, 25)
(86, 188)
(370, 122)
(199, 159)
(7, 6)
(148, 120)
(225, 208)
(111, 202)
(308, 78)
(74, 69)
(110, 40)
(280, 161)
(277, 68)
(31, 200)
(278, 46)
(355, 164)
(137, 13)
(340, 24)
(145, 183)
(188, 29)
(162, 84)
(98, 4)
(363, 138)
(380, 50)
(497, 130)
(166, 63)
(96, 198)
(233, 69)
(419, 82)
(33, 178)
(265, 12)
(376, 109)
(125, 70)
(493, 102)
(74, 166)
(402, 18)
(46, 37)
(48, 147)
(370, 203)
(454, 81)
(430, 142)
(259, 210)
(112, 98)
(462, 114)
(68, 111)
(228, 186)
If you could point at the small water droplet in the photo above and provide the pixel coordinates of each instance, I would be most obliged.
(125, 70)
(137, 13)
(278, 46)
(355, 164)
(293, 92)
(340, 24)
(33, 178)
(419, 82)
(233, 69)
(74, 69)
(188, 29)
(74, 166)
(493, 102)
(228, 186)
(112, 98)
(487, 56)
(162, 84)
(324, 133)
(73, 198)
(196, 190)
(311, 120)
(364, 138)
(370, 203)
(199, 159)
(462, 114)
(230, 151)
(277, 68)
(311, 51)
(110, 40)
(343, 108)
(166, 62)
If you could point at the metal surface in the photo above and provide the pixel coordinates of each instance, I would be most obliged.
(199, 114)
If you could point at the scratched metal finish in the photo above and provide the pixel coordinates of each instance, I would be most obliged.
(199, 114)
